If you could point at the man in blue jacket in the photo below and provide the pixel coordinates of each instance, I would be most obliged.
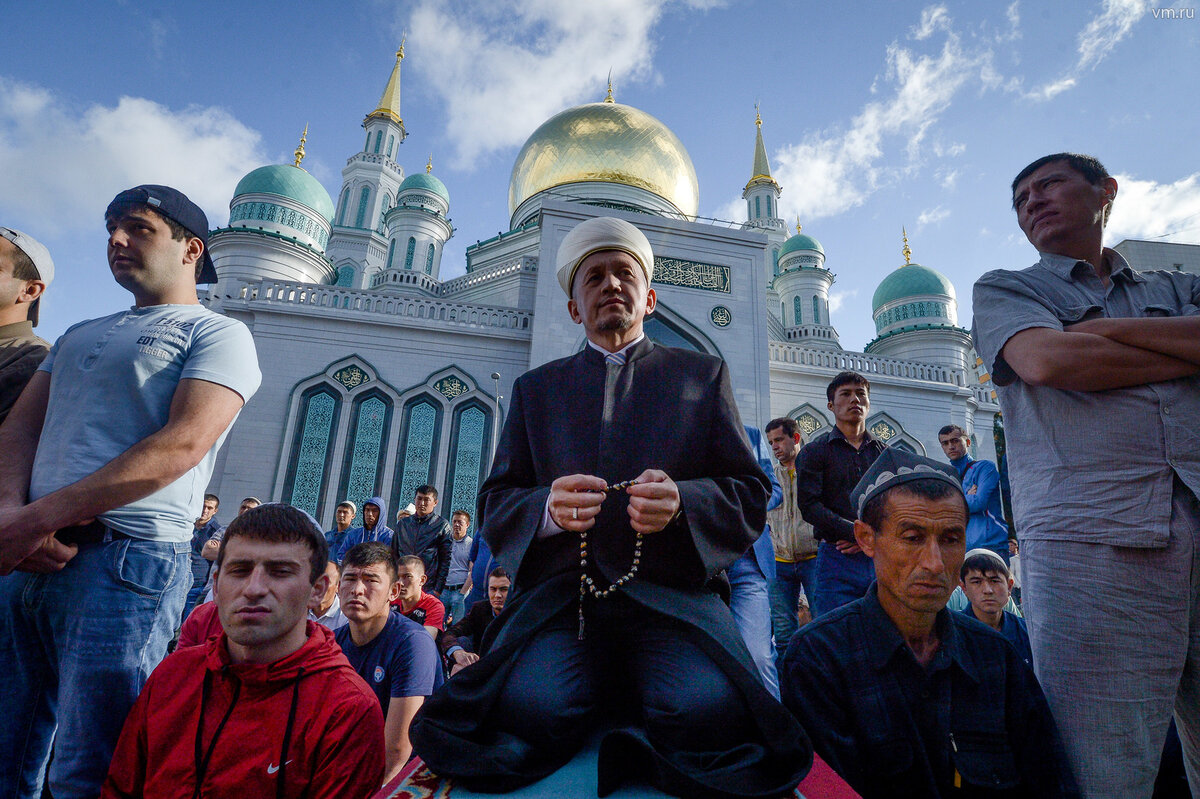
(374, 527)
(981, 483)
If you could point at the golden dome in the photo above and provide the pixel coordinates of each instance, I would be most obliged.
(607, 143)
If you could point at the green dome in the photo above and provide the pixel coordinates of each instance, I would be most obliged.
(424, 180)
(911, 280)
(287, 181)
(800, 242)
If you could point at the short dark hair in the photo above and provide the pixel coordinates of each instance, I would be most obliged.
(1087, 165)
(461, 512)
(985, 565)
(426, 489)
(214, 498)
(929, 488)
(846, 378)
(368, 553)
(952, 429)
(277, 523)
(23, 267)
(411, 560)
(178, 231)
(791, 428)
(499, 573)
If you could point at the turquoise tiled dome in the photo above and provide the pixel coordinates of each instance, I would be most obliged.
(801, 241)
(288, 181)
(424, 180)
(912, 280)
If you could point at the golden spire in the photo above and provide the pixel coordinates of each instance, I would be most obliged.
(609, 98)
(757, 116)
(300, 148)
(429, 166)
(389, 102)
(907, 251)
(797, 224)
(400, 52)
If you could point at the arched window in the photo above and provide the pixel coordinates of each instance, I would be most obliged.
(429, 260)
(308, 467)
(749, 210)
(782, 318)
(468, 443)
(422, 423)
(363, 199)
(346, 276)
(775, 261)
(769, 213)
(408, 254)
(758, 207)
(660, 330)
(378, 141)
(384, 207)
(391, 253)
(816, 310)
(391, 143)
(363, 461)
(341, 220)
(796, 311)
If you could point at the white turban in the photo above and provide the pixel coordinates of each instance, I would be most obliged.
(601, 233)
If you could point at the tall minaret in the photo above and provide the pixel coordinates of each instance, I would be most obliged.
(370, 179)
(762, 201)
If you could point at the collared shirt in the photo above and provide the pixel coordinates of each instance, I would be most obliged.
(1093, 466)
(332, 618)
(893, 727)
(827, 469)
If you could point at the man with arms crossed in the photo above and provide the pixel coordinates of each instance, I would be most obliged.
(270, 707)
(392, 653)
(1096, 369)
(105, 459)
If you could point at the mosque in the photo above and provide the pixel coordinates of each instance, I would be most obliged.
(378, 376)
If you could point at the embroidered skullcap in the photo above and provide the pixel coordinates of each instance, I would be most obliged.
(896, 467)
(990, 555)
(601, 233)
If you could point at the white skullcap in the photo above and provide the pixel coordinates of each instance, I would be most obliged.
(989, 554)
(601, 233)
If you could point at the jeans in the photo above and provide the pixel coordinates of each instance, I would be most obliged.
(751, 609)
(790, 580)
(77, 647)
(454, 602)
(841, 579)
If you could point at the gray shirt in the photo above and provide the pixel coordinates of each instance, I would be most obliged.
(1092, 466)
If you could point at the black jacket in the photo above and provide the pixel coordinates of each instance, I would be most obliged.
(429, 539)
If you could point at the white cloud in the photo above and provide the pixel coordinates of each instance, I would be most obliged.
(1097, 39)
(932, 216)
(1145, 209)
(839, 169)
(62, 167)
(838, 298)
(502, 67)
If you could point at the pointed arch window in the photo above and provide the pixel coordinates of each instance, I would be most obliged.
(796, 311)
(468, 443)
(408, 253)
(420, 435)
(378, 141)
(384, 207)
(429, 260)
(346, 276)
(769, 212)
(308, 472)
(341, 220)
(362, 465)
(391, 144)
(661, 331)
(363, 199)
(816, 310)
(758, 207)
(391, 253)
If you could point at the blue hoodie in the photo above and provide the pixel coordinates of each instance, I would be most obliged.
(356, 535)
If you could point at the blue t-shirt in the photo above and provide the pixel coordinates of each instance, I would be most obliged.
(401, 661)
(1013, 628)
(111, 384)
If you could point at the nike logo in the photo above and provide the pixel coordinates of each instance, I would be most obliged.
(271, 769)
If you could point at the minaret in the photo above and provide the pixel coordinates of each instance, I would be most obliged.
(802, 286)
(417, 229)
(370, 179)
(762, 201)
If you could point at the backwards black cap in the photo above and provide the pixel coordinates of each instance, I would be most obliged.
(174, 205)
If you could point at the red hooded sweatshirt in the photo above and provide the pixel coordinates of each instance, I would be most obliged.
(303, 726)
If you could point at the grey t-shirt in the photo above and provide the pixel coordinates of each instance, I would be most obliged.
(111, 384)
(1093, 466)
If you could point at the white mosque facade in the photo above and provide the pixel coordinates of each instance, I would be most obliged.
(379, 376)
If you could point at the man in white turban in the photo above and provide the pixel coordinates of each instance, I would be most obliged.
(622, 484)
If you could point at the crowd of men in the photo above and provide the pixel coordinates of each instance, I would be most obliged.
(713, 603)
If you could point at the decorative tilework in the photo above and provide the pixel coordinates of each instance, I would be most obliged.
(314, 449)
(368, 441)
(468, 456)
(451, 387)
(691, 274)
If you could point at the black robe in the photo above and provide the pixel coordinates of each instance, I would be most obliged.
(668, 409)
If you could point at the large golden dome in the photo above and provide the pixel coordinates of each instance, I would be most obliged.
(606, 143)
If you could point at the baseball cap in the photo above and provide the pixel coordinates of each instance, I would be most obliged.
(174, 205)
(40, 256)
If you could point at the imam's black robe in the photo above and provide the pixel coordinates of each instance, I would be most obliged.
(668, 409)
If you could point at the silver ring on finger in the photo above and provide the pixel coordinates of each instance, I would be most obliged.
(575, 514)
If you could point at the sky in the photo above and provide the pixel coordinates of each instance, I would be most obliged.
(877, 117)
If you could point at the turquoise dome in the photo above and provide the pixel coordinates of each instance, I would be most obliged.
(800, 242)
(426, 181)
(911, 280)
(288, 181)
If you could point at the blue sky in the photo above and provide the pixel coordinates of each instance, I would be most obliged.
(877, 116)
